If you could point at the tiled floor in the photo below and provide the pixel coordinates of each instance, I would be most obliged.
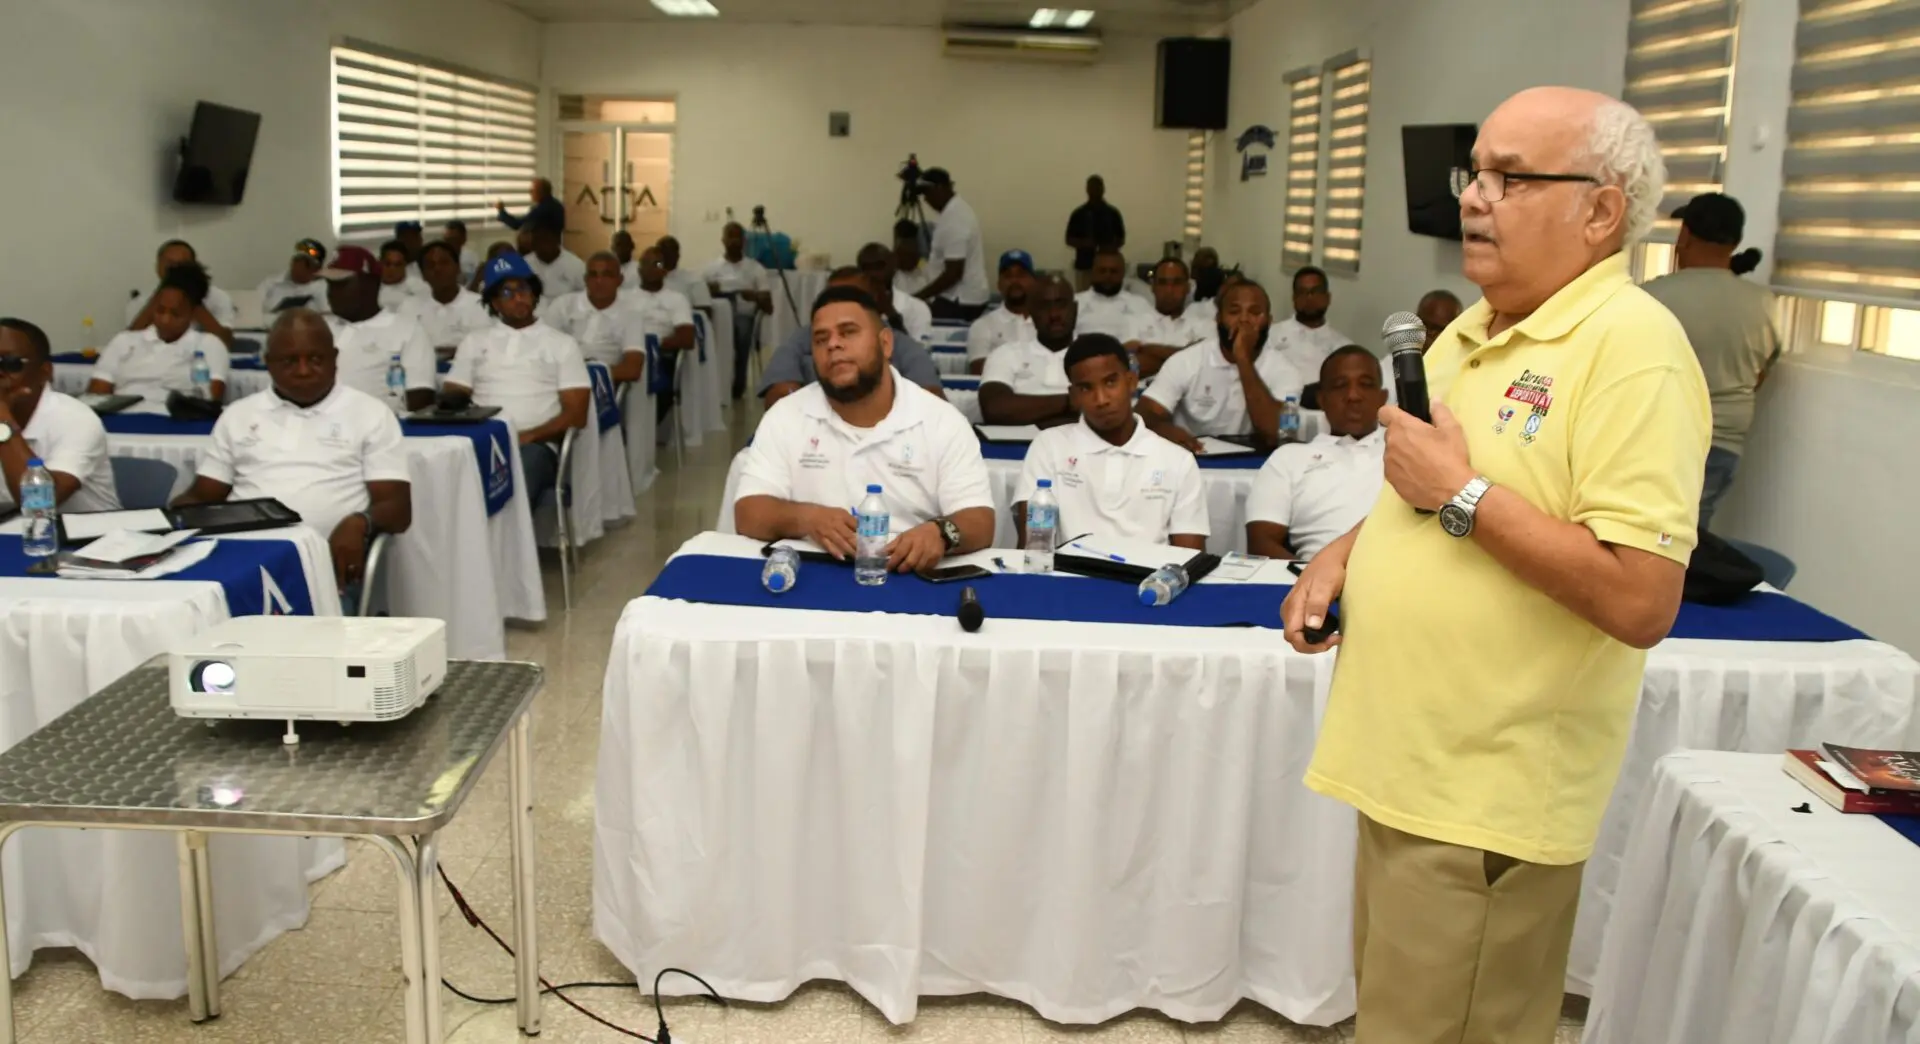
(336, 979)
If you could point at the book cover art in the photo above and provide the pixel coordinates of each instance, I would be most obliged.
(1879, 769)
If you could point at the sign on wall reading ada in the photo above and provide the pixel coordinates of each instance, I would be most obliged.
(1254, 144)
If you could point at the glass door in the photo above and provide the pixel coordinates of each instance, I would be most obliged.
(616, 176)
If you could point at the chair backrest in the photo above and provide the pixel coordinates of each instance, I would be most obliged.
(142, 482)
(1779, 569)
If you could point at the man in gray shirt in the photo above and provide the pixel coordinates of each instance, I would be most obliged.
(791, 367)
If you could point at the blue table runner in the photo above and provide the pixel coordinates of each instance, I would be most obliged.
(260, 577)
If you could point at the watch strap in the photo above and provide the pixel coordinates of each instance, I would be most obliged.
(1469, 498)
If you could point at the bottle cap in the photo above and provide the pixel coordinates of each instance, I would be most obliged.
(35, 462)
(873, 487)
(1046, 483)
(777, 582)
(1146, 596)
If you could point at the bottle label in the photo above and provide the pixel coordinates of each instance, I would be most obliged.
(875, 525)
(37, 497)
(1040, 516)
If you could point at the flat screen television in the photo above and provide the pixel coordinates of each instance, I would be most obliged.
(216, 155)
(1432, 153)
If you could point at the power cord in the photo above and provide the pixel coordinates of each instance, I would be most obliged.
(661, 1035)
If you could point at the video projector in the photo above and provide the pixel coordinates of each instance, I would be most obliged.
(308, 668)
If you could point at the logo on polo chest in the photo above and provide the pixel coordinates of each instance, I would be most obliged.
(811, 458)
(1535, 392)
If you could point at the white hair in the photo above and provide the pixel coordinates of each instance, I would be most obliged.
(1625, 153)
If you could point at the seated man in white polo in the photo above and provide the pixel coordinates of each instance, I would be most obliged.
(1230, 385)
(1309, 494)
(299, 286)
(369, 335)
(1025, 382)
(1007, 323)
(37, 421)
(817, 450)
(532, 371)
(326, 450)
(1106, 306)
(1174, 325)
(599, 318)
(1112, 476)
(448, 311)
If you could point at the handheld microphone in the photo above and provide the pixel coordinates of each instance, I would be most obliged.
(970, 614)
(1405, 334)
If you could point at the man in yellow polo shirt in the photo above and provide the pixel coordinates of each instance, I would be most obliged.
(1492, 651)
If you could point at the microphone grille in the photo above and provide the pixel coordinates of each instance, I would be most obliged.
(1403, 330)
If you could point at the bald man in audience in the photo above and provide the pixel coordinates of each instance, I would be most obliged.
(1438, 309)
(1025, 382)
(791, 366)
(1309, 494)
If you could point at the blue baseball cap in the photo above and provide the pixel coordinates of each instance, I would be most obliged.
(507, 266)
(1016, 257)
(401, 227)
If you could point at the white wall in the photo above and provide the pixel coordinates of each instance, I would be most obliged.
(1019, 138)
(94, 95)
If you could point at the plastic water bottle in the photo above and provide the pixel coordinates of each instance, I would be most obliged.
(1165, 585)
(41, 537)
(870, 550)
(397, 385)
(202, 376)
(1043, 526)
(1290, 420)
(781, 571)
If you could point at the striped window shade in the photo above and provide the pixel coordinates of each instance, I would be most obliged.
(415, 141)
(1679, 73)
(1303, 165)
(1850, 199)
(1195, 224)
(1349, 77)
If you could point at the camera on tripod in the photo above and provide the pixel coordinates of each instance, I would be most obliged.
(910, 187)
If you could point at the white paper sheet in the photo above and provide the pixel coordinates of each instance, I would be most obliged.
(178, 559)
(124, 545)
(1009, 432)
(1237, 567)
(1130, 552)
(87, 525)
(1212, 447)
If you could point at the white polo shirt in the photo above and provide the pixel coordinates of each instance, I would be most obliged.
(521, 371)
(1173, 331)
(661, 311)
(279, 288)
(994, 329)
(316, 459)
(448, 324)
(138, 362)
(1321, 489)
(1114, 316)
(1148, 489)
(915, 279)
(917, 316)
(956, 237)
(1028, 367)
(733, 277)
(923, 454)
(565, 274)
(689, 284)
(367, 348)
(469, 264)
(1201, 388)
(1206, 311)
(1306, 347)
(604, 334)
(219, 304)
(394, 296)
(68, 437)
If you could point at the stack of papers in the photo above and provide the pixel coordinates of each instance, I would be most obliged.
(127, 555)
(1008, 432)
(1212, 447)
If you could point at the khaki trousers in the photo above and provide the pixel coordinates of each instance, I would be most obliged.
(1454, 945)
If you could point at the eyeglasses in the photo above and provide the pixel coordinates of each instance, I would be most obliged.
(13, 364)
(1493, 183)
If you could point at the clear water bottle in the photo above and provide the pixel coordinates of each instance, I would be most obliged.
(870, 550)
(1165, 585)
(1043, 527)
(781, 571)
(397, 385)
(1290, 420)
(202, 376)
(41, 538)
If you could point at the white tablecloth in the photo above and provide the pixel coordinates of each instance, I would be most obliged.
(602, 486)
(440, 567)
(950, 361)
(72, 378)
(1746, 921)
(112, 894)
(787, 795)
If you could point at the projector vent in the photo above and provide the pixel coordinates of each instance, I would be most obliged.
(392, 701)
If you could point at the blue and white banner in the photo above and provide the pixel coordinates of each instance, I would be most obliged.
(260, 577)
(605, 406)
(492, 450)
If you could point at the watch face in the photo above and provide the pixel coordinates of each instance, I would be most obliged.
(1455, 520)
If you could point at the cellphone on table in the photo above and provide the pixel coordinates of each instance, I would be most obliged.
(952, 573)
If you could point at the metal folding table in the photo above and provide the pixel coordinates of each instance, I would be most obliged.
(123, 760)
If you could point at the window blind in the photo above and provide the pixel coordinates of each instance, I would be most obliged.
(1303, 166)
(1679, 72)
(1850, 199)
(1195, 203)
(422, 142)
(1351, 78)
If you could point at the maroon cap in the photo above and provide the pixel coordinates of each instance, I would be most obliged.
(350, 261)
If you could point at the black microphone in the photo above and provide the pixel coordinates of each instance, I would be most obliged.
(971, 615)
(1405, 334)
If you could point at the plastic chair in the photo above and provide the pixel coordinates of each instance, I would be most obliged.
(1776, 567)
(372, 575)
(142, 482)
(561, 498)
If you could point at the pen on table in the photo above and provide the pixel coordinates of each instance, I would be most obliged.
(1097, 553)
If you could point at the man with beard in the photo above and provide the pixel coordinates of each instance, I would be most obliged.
(368, 336)
(1311, 493)
(1025, 382)
(1174, 325)
(1106, 307)
(1229, 385)
(1114, 478)
(790, 368)
(1009, 322)
(1304, 337)
(815, 452)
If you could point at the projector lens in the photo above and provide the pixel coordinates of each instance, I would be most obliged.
(213, 676)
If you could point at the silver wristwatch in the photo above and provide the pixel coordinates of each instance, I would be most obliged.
(1456, 515)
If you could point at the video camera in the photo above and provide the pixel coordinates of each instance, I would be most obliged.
(910, 187)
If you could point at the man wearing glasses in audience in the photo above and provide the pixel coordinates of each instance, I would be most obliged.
(37, 421)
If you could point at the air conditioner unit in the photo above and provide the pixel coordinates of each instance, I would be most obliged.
(1021, 45)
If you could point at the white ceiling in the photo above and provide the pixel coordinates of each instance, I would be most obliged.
(1148, 17)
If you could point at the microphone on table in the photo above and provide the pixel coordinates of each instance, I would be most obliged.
(970, 614)
(1405, 334)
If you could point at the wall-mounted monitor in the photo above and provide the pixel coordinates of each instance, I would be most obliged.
(1433, 154)
(216, 156)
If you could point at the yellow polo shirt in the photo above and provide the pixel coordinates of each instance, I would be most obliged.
(1467, 706)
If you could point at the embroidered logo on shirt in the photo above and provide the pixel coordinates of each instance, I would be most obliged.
(1533, 427)
(1534, 389)
(812, 459)
(1666, 539)
(1500, 426)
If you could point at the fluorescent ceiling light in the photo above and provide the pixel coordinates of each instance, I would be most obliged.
(1054, 17)
(687, 8)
